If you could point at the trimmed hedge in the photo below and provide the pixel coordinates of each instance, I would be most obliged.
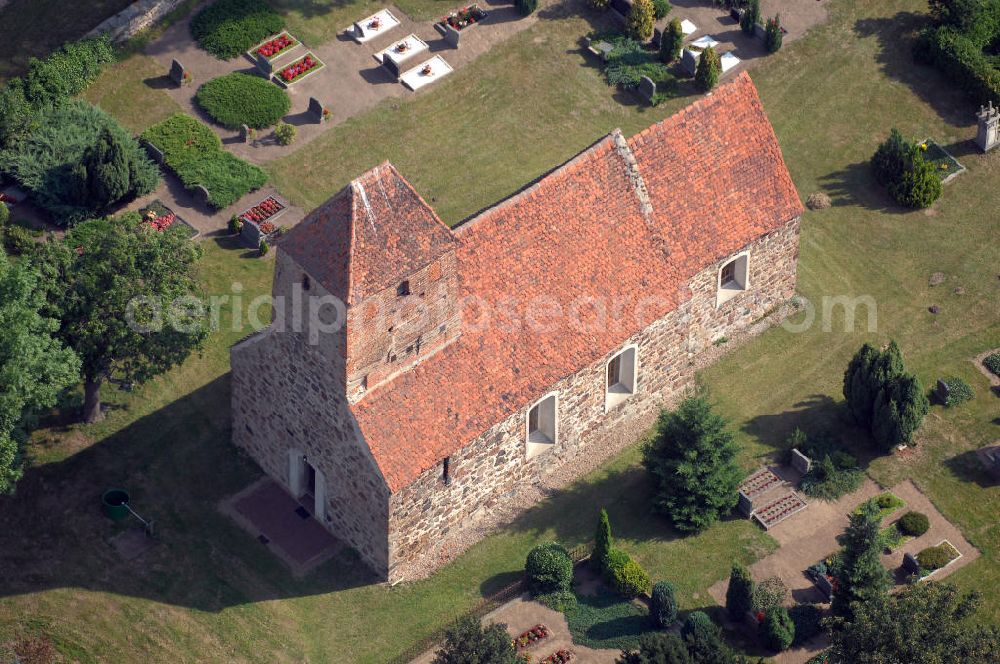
(241, 99)
(47, 162)
(549, 568)
(913, 524)
(935, 557)
(195, 154)
(227, 28)
(961, 60)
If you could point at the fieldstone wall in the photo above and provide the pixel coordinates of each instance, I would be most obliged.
(135, 18)
(284, 398)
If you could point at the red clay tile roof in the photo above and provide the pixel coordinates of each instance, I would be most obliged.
(366, 238)
(715, 181)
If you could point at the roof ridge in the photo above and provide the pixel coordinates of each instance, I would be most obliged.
(420, 198)
(634, 176)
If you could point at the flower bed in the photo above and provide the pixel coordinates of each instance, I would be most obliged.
(159, 217)
(779, 510)
(260, 214)
(463, 18)
(948, 550)
(760, 482)
(823, 574)
(531, 637)
(559, 656)
(946, 166)
(306, 65)
(275, 47)
(887, 503)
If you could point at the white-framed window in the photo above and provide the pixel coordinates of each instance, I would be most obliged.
(542, 425)
(734, 278)
(620, 376)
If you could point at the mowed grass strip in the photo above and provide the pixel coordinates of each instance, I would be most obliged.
(209, 592)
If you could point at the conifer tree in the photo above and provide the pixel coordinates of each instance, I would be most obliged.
(709, 69)
(641, 18)
(861, 577)
(671, 41)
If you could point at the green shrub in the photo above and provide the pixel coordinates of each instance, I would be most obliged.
(548, 568)
(935, 557)
(962, 60)
(768, 595)
(235, 225)
(958, 391)
(263, 247)
(808, 622)
(672, 41)
(739, 596)
(640, 20)
(66, 72)
(889, 160)
(241, 99)
(526, 7)
(627, 577)
(900, 167)
(17, 240)
(663, 604)
(600, 5)
(4, 214)
(992, 362)
(772, 34)
(558, 600)
(661, 8)
(913, 524)
(699, 627)
(195, 154)
(751, 17)
(827, 480)
(78, 162)
(778, 629)
(285, 133)
(709, 70)
(629, 61)
(602, 541)
(227, 28)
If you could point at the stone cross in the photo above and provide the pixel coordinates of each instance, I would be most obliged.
(647, 88)
(987, 136)
(177, 72)
(316, 109)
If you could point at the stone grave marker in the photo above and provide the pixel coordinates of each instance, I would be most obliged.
(177, 72)
(452, 37)
(155, 153)
(987, 135)
(801, 462)
(315, 109)
(201, 194)
(647, 88)
(264, 66)
(943, 391)
(689, 61)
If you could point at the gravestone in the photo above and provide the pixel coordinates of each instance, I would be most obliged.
(689, 61)
(910, 564)
(155, 153)
(250, 234)
(647, 88)
(800, 461)
(451, 36)
(201, 194)
(264, 66)
(177, 72)
(943, 391)
(245, 133)
(745, 505)
(987, 135)
(759, 32)
(315, 109)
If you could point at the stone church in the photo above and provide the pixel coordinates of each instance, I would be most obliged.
(423, 373)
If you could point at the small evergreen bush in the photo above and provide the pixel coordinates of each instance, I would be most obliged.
(627, 577)
(661, 8)
(602, 541)
(709, 69)
(285, 133)
(900, 167)
(241, 99)
(992, 362)
(913, 524)
(235, 225)
(808, 622)
(750, 17)
(640, 20)
(17, 240)
(549, 568)
(739, 596)
(772, 34)
(663, 604)
(672, 41)
(526, 7)
(558, 600)
(263, 248)
(935, 557)
(227, 28)
(778, 629)
(958, 391)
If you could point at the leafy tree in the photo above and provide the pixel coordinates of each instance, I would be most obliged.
(658, 648)
(778, 629)
(640, 20)
(549, 568)
(469, 643)
(602, 540)
(34, 365)
(663, 604)
(750, 17)
(772, 34)
(122, 293)
(739, 596)
(672, 41)
(927, 623)
(692, 460)
(861, 576)
(709, 70)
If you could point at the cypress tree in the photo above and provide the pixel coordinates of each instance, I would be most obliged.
(602, 540)
(859, 388)
(739, 596)
(751, 17)
(671, 41)
(641, 18)
(709, 69)
(861, 576)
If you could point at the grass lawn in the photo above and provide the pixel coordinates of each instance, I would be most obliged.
(317, 23)
(34, 28)
(209, 592)
(132, 91)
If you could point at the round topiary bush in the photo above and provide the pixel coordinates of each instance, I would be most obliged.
(913, 524)
(549, 568)
(663, 605)
(241, 99)
(778, 629)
